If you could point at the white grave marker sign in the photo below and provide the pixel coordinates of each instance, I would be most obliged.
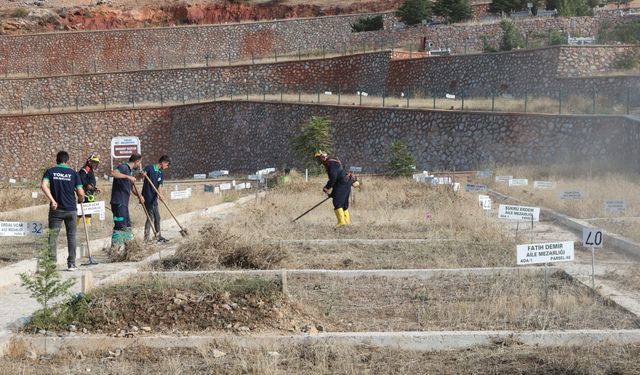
(545, 252)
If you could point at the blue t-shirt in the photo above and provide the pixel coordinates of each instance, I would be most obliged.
(155, 174)
(121, 189)
(63, 181)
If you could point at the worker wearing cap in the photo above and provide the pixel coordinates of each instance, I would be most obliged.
(156, 175)
(123, 180)
(340, 186)
(88, 178)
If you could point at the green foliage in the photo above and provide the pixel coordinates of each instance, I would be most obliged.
(507, 6)
(628, 33)
(401, 162)
(453, 10)
(486, 46)
(412, 12)
(626, 60)
(572, 8)
(19, 12)
(315, 135)
(557, 38)
(511, 37)
(367, 24)
(46, 286)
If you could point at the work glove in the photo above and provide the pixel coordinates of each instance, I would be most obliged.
(325, 190)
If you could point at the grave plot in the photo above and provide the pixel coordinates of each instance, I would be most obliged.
(608, 201)
(395, 224)
(504, 357)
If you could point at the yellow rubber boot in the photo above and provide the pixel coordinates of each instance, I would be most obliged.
(347, 217)
(340, 217)
(87, 220)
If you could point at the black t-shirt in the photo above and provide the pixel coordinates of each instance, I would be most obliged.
(155, 174)
(63, 181)
(121, 189)
(88, 177)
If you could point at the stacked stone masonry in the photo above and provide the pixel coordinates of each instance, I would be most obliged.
(542, 72)
(153, 48)
(245, 136)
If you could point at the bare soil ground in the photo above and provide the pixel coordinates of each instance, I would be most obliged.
(60, 15)
(501, 358)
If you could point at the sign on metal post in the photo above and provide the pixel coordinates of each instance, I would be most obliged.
(21, 229)
(485, 202)
(504, 178)
(181, 194)
(572, 195)
(545, 252)
(123, 147)
(474, 187)
(91, 208)
(592, 238)
(518, 182)
(200, 176)
(614, 206)
(484, 174)
(544, 185)
(510, 212)
(355, 169)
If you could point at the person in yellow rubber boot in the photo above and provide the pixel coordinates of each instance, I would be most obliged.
(340, 186)
(88, 178)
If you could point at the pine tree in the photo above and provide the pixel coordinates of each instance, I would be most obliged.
(401, 162)
(453, 10)
(315, 135)
(412, 12)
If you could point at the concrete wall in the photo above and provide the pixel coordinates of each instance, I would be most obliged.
(117, 50)
(542, 71)
(245, 136)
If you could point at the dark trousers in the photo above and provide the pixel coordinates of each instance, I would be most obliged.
(340, 194)
(56, 217)
(121, 219)
(154, 214)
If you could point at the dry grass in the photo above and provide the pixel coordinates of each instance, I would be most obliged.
(215, 247)
(132, 250)
(599, 187)
(461, 235)
(504, 301)
(339, 359)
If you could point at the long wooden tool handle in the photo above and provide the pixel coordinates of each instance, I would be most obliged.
(86, 232)
(153, 227)
(162, 200)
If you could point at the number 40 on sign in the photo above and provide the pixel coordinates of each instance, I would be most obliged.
(592, 237)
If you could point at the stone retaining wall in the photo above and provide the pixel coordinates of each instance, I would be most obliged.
(117, 50)
(246, 136)
(544, 72)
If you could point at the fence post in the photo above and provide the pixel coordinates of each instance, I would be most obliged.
(299, 53)
(247, 88)
(21, 106)
(198, 95)
(318, 92)
(360, 96)
(383, 94)
(281, 92)
(408, 94)
(49, 106)
(410, 51)
(299, 93)
(206, 60)
(323, 51)
(462, 96)
(434, 99)
(275, 54)
(161, 99)
(264, 93)
(338, 94)
(559, 102)
(493, 100)
(253, 59)
(525, 101)
(77, 105)
(628, 99)
(593, 102)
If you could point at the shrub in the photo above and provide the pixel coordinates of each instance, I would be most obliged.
(453, 10)
(412, 12)
(486, 46)
(367, 24)
(626, 60)
(20, 13)
(628, 33)
(511, 38)
(401, 162)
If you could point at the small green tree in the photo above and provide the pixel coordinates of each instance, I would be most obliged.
(367, 24)
(511, 38)
(506, 6)
(572, 8)
(315, 135)
(453, 10)
(401, 162)
(46, 286)
(412, 12)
